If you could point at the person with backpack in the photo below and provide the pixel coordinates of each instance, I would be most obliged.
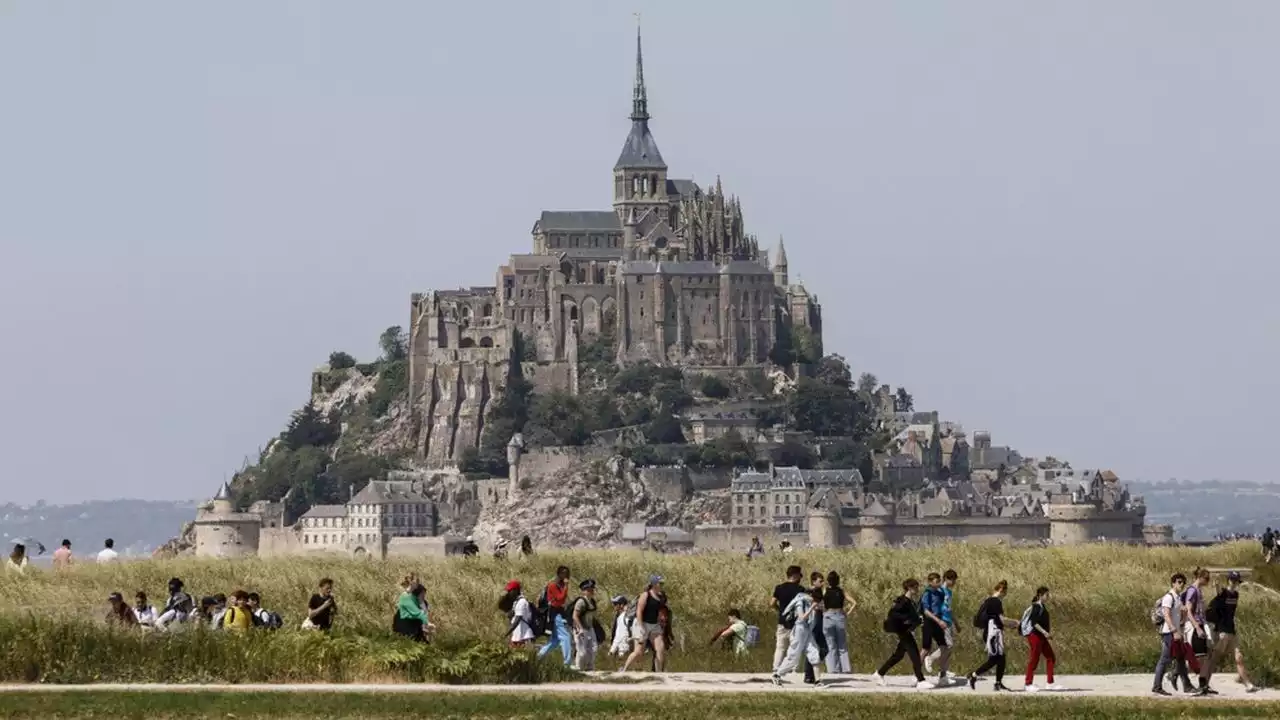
(736, 635)
(1268, 545)
(587, 632)
(236, 616)
(837, 606)
(178, 608)
(1035, 628)
(262, 617)
(817, 587)
(553, 606)
(647, 627)
(1221, 615)
(902, 621)
(624, 617)
(935, 606)
(802, 614)
(1167, 618)
(990, 617)
(520, 620)
(783, 594)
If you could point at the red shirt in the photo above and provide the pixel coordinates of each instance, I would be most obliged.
(557, 596)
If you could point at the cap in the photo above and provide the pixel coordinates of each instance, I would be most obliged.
(513, 585)
(470, 539)
(115, 597)
(619, 600)
(587, 584)
(1233, 576)
(654, 580)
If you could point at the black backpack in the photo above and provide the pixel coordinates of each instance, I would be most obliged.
(980, 619)
(1213, 613)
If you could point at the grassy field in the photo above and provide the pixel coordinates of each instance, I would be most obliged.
(621, 706)
(50, 628)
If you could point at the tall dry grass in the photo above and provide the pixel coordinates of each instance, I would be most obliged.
(1101, 597)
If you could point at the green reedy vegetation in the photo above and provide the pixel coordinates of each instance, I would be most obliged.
(1101, 598)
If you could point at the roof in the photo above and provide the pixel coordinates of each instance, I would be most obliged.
(578, 220)
(384, 491)
(683, 188)
(594, 253)
(224, 492)
(640, 150)
(694, 267)
(326, 511)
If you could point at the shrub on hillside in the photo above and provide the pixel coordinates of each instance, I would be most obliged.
(339, 360)
(714, 387)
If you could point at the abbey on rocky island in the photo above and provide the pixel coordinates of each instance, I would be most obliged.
(670, 273)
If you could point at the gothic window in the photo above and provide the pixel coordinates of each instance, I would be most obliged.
(488, 310)
(635, 186)
(644, 185)
(486, 342)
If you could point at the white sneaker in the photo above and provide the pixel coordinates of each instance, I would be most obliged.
(1055, 687)
(928, 665)
(925, 685)
(878, 678)
(1031, 689)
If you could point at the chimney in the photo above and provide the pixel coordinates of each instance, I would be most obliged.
(351, 491)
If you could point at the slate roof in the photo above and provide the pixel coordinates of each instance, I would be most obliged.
(683, 188)
(578, 220)
(326, 511)
(594, 253)
(640, 150)
(694, 267)
(384, 491)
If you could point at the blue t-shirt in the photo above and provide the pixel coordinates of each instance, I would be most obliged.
(945, 613)
(932, 601)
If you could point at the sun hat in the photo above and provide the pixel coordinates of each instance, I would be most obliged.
(654, 580)
(619, 600)
(513, 585)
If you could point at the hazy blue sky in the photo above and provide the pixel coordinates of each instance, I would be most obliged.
(1055, 221)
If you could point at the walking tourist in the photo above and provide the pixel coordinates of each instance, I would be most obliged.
(470, 548)
(783, 594)
(553, 604)
(587, 631)
(322, 607)
(1268, 545)
(526, 547)
(801, 614)
(935, 629)
(17, 562)
(991, 619)
(262, 617)
(411, 618)
(837, 606)
(623, 617)
(1035, 627)
(817, 588)
(1195, 629)
(1169, 617)
(647, 627)
(519, 615)
(62, 556)
(216, 610)
(1221, 615)
(108, 553)
(902, 621)
(756, 549)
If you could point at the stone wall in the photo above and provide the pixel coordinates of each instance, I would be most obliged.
(449, 403)
(979, 530)
(738, 538)
(668, 483)
(276, 542)
(437, 546)
(548, 377)
(711, 479)
(230, 536)
(539, 462)
(493, 491)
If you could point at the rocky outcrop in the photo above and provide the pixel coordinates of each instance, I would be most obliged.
(585, 505)
(184, 544)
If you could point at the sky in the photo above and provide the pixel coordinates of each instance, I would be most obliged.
(1052, 221)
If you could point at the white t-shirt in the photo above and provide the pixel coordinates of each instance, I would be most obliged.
(146, 615)
(107, 555)
(621, 636)
(523, 630)
(1170, 602)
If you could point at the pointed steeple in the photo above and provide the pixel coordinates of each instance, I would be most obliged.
(224, 492)
(782, 253)
(639, 96)
(780, 276)
(640, 151)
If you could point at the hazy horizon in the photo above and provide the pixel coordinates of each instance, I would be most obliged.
(1050, 222)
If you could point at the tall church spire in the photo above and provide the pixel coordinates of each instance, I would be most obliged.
(639, 97)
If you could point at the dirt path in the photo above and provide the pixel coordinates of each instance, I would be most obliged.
(1078, 686)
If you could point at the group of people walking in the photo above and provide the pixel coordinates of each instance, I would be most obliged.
(573, 626)
(1196, 636)
(240, 610)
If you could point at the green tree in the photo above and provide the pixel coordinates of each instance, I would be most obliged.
(792, 453)
(556, 419)
(392, 385)
(664, 429)
(394, 344)
(805, 345)
(728, 450)
(827, 405)
(339, 360)
(902, 401)
(308, 427)
(868, 384)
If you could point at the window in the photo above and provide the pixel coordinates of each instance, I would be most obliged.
(306, 539)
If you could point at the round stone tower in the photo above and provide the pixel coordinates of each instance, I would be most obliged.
(824, 528)
(1071, 524)
(873, 530)
(223, 532)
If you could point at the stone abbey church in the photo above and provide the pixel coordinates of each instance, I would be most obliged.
(670, 273)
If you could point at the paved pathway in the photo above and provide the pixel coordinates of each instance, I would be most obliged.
(1079, 686)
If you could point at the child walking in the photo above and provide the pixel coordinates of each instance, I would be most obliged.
(1035, 626)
